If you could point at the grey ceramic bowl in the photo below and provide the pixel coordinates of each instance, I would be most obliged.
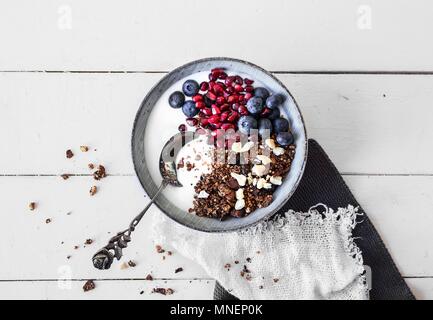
(289, 109)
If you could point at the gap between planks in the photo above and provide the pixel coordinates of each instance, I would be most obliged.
(310, 72)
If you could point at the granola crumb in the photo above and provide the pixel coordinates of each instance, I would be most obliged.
(258, 252)
(149, 277)
(65, 176)
(91, 166)
(76, 247)
(169, 253)
(163, 291)
(100, 173)
(276, 280)
(141, 292)
(69, 154)
(93, 190)
(88, 242)
(260, 287)
(132, 264)
(32, 206)
(84, 148)
(89, 285)
(124, 266)
(159, 249)
(248, 260)
(178, 270)
(236, 262)
(68, 257)
(47, 221)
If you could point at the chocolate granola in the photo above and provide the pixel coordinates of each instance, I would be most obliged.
(240, 185)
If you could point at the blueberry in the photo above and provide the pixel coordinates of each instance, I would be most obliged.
(190, 88)
(261, 93)
(246, 123)
(255, 105)
(281, 125)
(189, 109)
(265, 127)
(274, 101)
(176, 100)
(285, 138)
(275, 114)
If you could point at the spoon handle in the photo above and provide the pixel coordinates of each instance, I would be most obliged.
(104, 257)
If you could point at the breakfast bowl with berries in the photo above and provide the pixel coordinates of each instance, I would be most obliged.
(246, 149)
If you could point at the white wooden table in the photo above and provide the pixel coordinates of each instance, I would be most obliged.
(74, 73)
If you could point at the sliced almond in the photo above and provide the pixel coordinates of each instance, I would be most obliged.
(267, 185)
(240, 194)
(278, 151)
(276, 180)
(261, 183)
(247, 146)
(259, 170)
(264, 159)
(270, 143)
(240, 204)
(203, 195)
(237, 147)
(240, 178)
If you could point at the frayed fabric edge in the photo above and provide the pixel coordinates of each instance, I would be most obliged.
(344, 218)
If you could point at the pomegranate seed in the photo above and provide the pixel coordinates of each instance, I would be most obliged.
(227, 126)
(217, 70)
(182, 128)
(211, 96)
(214, 119)
(207, 112)
(243, 110)
(200, 105)
(225, 107)
(247, 96)
(229, 80)
(232, 99)
(239, 88)
(235, 106)
(197, 98)
(249, 81)
(224, 116)
(211, 84)
(249, 89)
(266, 112)
(216, 125)
(222, 75)
(192, 122)
(204, 86)
(220, 100)
(230, 90)
(241, 98)
(239, 80)
(212, 76)
(204, 122)
(215, 109)
(233, 116)
(218, 88)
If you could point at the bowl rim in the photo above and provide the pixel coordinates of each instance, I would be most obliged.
(211, 59)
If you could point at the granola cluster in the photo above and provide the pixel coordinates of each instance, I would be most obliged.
(244, 182)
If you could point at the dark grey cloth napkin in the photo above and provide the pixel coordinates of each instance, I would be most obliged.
(322, 183)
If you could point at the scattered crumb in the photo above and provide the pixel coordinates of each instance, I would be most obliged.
(124, 266)
(69, 213)
(178, 270)
(91, 166)
(132, 264)
(236, 262)
(149, 277)
(276, 280)
(89, 285)
(88, 241)
(65, 176)
(141, 292)
(258, 252)
(227, 266)
(84, 148)
(163, 291)
(76, 247)
(163, 257)
(169, 253)
(32, 206)
(159, 249)
(248, 260)
(69, 154)
(48, 221)
(260, 287)
(68, 257)
(100, 173)
(93, 190)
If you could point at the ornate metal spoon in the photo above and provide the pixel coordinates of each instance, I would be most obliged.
(167, 166)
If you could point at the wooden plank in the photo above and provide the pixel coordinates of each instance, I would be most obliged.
(107, 290)
(132, 289)
(373, 124)
(160, 35)
(31, 249)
